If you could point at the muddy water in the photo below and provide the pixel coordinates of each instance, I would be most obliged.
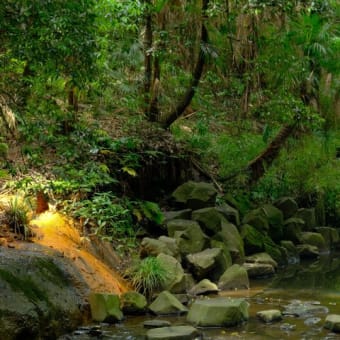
(306, 292)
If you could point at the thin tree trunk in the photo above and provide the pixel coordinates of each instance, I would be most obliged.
(196, 76)
(147, 56)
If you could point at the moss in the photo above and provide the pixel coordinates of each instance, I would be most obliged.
(51, 271)
(24, 285)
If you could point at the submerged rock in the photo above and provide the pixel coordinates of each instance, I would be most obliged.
(173, 333)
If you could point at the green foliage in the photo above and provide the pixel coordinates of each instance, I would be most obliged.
(16, 216)
(151, 211)
(104, 215)
(147, 275)
(289, 175)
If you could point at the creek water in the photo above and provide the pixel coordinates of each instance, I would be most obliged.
(306, 292)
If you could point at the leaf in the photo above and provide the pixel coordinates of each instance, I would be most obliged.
(130, 171)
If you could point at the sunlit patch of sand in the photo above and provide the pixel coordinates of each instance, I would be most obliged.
(58, 232)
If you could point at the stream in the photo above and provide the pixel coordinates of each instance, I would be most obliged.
(306, 292)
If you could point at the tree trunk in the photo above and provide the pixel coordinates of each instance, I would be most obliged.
(196, 76)
(147, 56)
(257, 166)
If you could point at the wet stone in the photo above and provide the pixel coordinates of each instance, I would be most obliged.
(156, 323)
(269, 315)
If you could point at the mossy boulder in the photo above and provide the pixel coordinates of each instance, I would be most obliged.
(307, 251)
(275, 220)
(153, 247)
(184, 285)
(257, 219)
(218, 312)
(209, 219)
(262, 258)
(174, 270)
(133, 303)
(287, 205)
(331, 235)
(184, 214)
(235, 277)
(230, 236)
(209, 263)
(230, 213)
(292, 229)
(308, 216)
(195, 195)
(252, 238)
(258, 270)
(313, 239)
(189, 236)
(166, 303)
(291, 251)
(105, 307)
(42, 294)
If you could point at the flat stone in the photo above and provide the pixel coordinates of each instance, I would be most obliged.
(156, 323)
(172, 333)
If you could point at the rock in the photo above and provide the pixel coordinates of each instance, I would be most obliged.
(171, 244)
(252, 238)
(153, 247)
(133, 303)
(313, 239)
(183, 298)
(304, 309)
(275, 220)
(189, 236)
(292, 229)
(105, 307)
(257, 219)
(230, 213)
(175, 272)
(195, 195)
(269, 315)
(184, 285)
(204, 287)
(172, 333)
(307, 251)
(209, 263)
(230, 236)
(166, 303)
(221, 245)
(287, 205)
(156, 323)
(256, 270)
(184, 214)
(209, 220)
(332, 322)
(292, 252)
(331, 235)
(262, 258)
(218, 312)
(42, 294)
(308, 216)
(235, 277)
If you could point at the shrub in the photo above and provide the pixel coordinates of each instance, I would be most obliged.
(147, 275)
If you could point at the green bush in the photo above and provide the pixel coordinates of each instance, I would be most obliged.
(147, 275)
